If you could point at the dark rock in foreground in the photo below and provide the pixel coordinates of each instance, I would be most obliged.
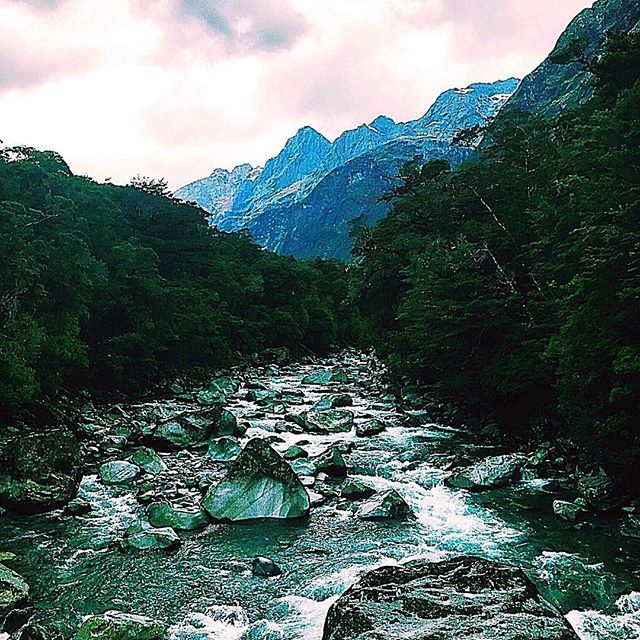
(465, 598)
(260, 484)
(39, 471)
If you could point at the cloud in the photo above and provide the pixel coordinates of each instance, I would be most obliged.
(253, 25)
(176, 88)
(41, 4)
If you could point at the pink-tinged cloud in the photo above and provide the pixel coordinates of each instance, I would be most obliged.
(177, 87)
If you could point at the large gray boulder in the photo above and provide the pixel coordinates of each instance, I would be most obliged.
(119, 472)
(492, 472)
(259, 484)
(116, 625)
(465, 598)
(39, 470)
(330, 421)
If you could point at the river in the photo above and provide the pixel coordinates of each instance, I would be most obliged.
(205, 589)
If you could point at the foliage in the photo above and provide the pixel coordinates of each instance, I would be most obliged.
(513, 281)
(107, 288)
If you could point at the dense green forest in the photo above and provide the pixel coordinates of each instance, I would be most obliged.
(513, 283)
(106, 288)
(510, 283)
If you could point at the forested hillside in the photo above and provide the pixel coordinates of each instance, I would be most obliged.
(106, 288)
(512, 282)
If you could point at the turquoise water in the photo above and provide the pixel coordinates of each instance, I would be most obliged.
(205, 589)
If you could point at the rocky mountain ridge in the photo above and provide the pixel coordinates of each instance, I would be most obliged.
(274, 203)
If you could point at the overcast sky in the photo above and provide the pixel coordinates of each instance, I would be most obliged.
(175, 88)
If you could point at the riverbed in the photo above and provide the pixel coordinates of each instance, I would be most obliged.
(205, 589)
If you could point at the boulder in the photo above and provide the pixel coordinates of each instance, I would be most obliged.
(209, 398)
(164, 514)
(331, 421)
(569, 511)
(385, 506)
(265, 567)
(333, 401)
(294, 453)
(227, 424)
(39, 470)
(259, 484)
(464, 598)
(119, 472)
(148, 460)
(492, 472)
(596, 487)
(14, 591)
(332, 463)
(223, 449)
(115, 625)
(186, 429)
(78, 507)
(225, 385)
(356, 490)
(370, 428)
(570, 582)
(257, 395)
(325, 376)
(143, 537)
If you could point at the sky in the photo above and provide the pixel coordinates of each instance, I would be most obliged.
(176, 88)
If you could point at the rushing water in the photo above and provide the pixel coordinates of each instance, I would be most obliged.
(205, 590)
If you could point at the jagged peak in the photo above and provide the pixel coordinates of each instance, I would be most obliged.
(308, 133)
(382, 120)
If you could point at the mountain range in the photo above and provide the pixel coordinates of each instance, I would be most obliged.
(301, 202)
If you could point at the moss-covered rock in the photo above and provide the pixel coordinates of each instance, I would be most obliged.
(14, 591)
(39, 470)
